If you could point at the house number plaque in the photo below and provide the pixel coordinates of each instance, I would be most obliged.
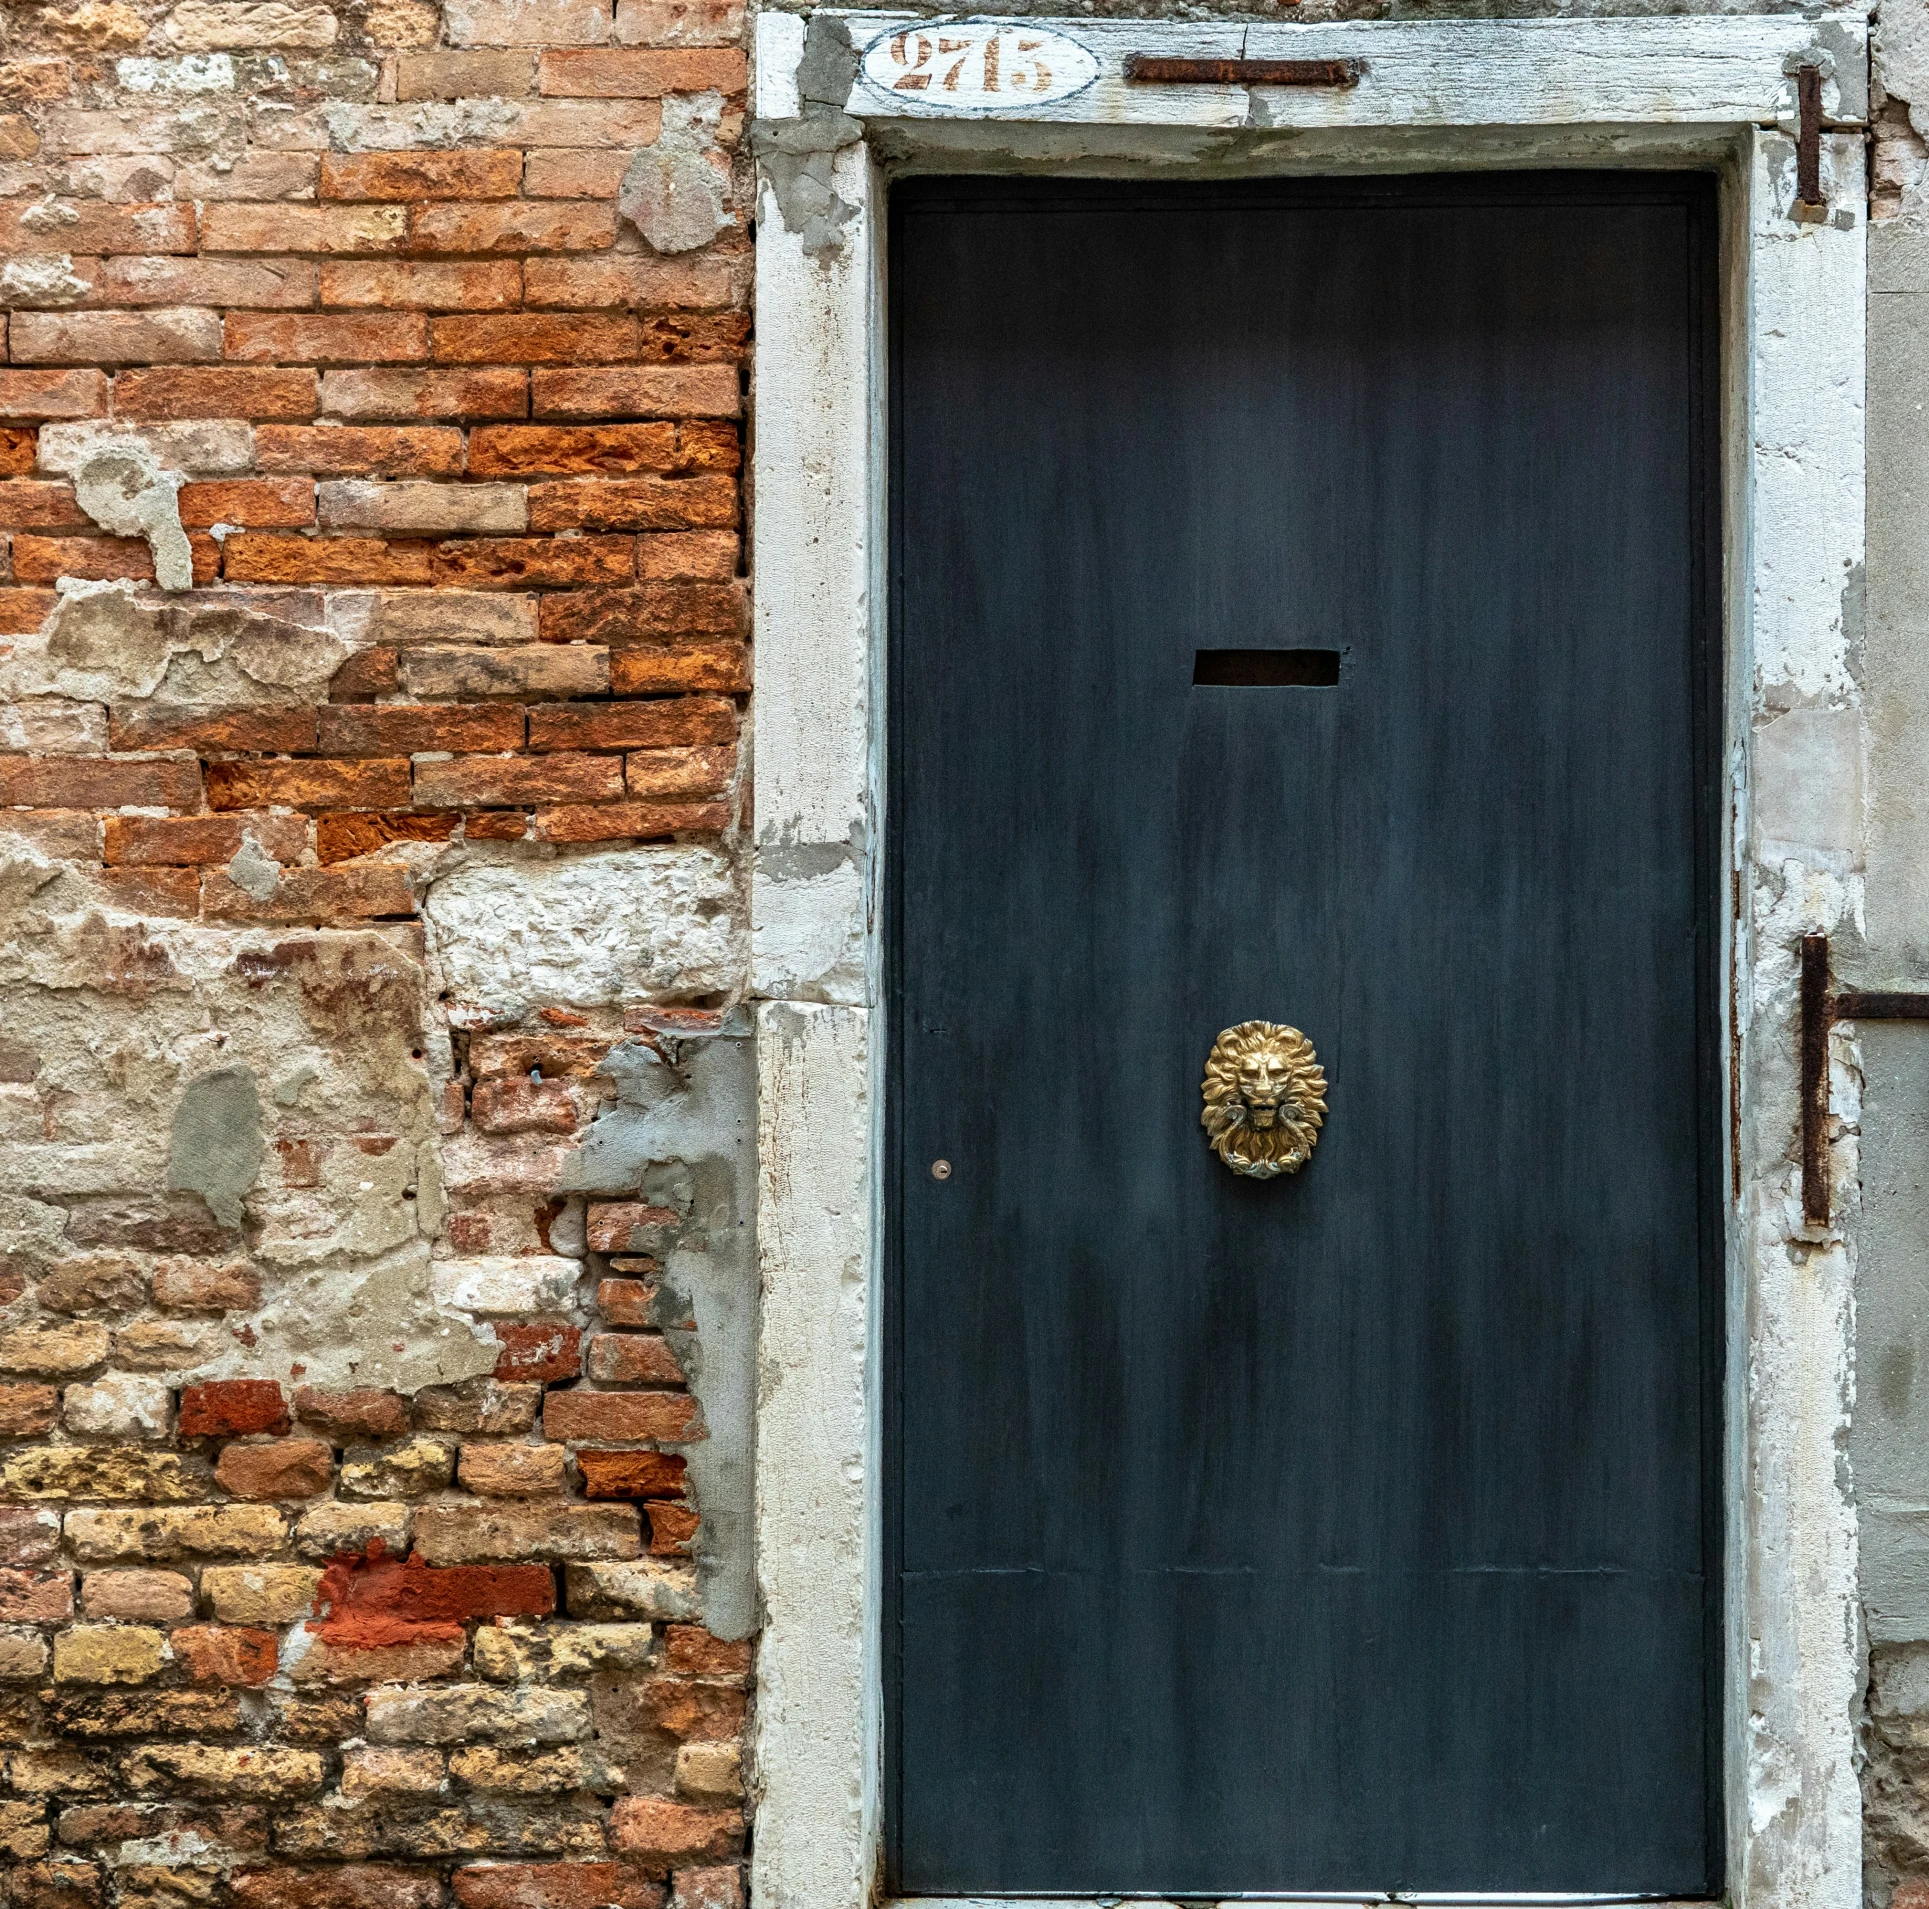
(977, 66)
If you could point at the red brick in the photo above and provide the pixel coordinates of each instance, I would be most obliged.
(502, 781)
(671, 1529)
(229, 1408)
(531, 338)
(622, 73)
(261, 557)
(36, 1597)
(669, 1416)
(650, 612)
(705, 444)
(525, 1106)
(555, 1886)
(688, 556)
(325, 338)
(626, 1302)
(421, 175)
(34, 79)
(193, 840)
(366, 676)
(214, 392)
(335, 450)
(675, 722)
(25, 505)
(625, 1474)
(555, 1056)
(407, 1591)
(28, 1410)
(23, 611)
(457, 287)
(495, 826)
(19, 444)
(366, 1412)
(624, 1226)
(258, 503)
(633, 1358)
(635, 503)
(97, 559)
(663, 669)
(655, 1830)
(631, 821)
(511, 563)
(517, 227)
(160, 336)
(633, 281)
(342, 230)
(66, 782)
(573, 172)
(340, 838)
(94, 227)
(186, 1286)
(308, 785)
(268, 729)
(338, 1886)
(495, 393)
(270, 283)
(28, 1536)
(225, 1654)
(542, 1349)
(171, 892)
(561, 450)
(53, 394)
(638, 391)
(390, 729)
(693, 1652)
(513, 1471)
(370, 891)
(288, 1468)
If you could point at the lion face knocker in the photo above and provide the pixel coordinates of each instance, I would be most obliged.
(1265, 1098)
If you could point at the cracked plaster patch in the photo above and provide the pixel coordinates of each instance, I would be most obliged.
(673, 192)
(124, 489)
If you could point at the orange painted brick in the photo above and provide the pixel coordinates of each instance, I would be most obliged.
(638, 391)
(635, 281)
(519, 226)
(336, 450)
(564, 450)
(308, 785)
(24, 611)
(26, 505)
(669, 1416)
(496, 393)
(368, 891)
(259, 503)
(631, 1474)
(496, 826)
(214, 393)
(231, 1408)
(78, 782)
(174, 893)
(503, 781)
(288, 1468)
(225, 1654)
(688, 556)
(675, 723)
(342, 837)
(259, 557)
(623, 73)
(195, 840)
(691, 1651)
(653, 610)
(666, 669)
(421, 175)
(695, 338)
(531, 338)
(391, 729)
(672, 1526)
(512, 563)
(19, 445)
(326, 338)
(652, 821)
(708, 444)
(272, 729)
(573, 172)
(47, 559)
(493, 285)
(680, 772)
(352, 230)
(635, 503)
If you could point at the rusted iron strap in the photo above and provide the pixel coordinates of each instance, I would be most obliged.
(1808, 135)
(1816, 1015)
(1159, 71)
(1851, 1006)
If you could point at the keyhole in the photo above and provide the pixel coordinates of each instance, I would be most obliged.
(941, 1169)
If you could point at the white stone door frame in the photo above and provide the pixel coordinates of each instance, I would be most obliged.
(1716, 92)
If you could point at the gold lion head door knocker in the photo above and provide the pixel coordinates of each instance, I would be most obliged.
(1265, 1098)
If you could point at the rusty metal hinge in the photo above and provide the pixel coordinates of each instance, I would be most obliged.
(1820, 1011)
(1808, 142)
(1157, 70)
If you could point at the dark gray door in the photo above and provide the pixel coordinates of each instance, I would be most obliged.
(1356, 1529)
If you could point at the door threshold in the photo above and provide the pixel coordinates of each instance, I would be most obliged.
(1330, 1899)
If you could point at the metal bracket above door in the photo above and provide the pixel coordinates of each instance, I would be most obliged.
(1820, 1011)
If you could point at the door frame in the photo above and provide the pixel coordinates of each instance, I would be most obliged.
(1716, 92)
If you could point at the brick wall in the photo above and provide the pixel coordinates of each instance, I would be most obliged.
(353, 1540)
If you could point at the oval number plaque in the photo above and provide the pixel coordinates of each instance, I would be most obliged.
(977, 66)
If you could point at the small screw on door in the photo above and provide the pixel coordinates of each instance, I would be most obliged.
(941, 1169)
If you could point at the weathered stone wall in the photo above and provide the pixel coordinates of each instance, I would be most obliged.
(375, 1109)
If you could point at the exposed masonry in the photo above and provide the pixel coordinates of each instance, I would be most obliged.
(376, 1186)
